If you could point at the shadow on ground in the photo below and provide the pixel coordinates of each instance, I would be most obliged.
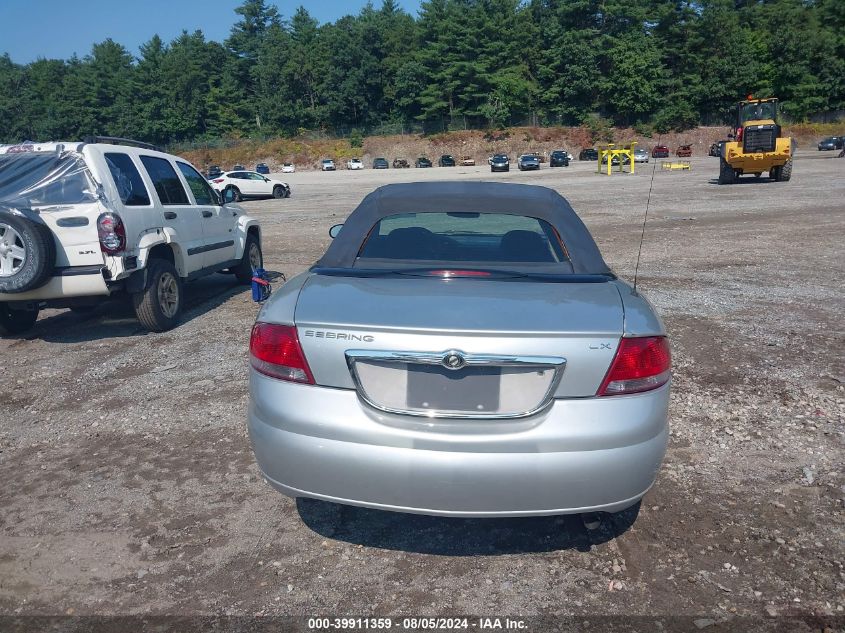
(446, 536)
(115, 318)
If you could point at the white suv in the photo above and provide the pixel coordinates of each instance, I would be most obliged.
(249, 184)
(354, 163)
(80, 222)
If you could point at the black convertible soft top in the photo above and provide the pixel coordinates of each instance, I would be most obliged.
(455, 197)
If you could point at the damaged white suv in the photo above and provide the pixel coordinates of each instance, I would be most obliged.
(85, 221)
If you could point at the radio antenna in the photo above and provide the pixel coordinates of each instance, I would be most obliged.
(645, 218)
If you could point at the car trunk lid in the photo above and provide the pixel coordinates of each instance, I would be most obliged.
(513, 344)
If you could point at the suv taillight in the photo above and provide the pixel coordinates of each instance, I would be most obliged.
(112, 233)
(640, 364)
(274, 351)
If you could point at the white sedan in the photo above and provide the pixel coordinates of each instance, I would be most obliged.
(355, 163)
(249, 184)
(288, 168)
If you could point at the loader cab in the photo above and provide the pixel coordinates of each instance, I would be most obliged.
(756, 127)
(757, 111)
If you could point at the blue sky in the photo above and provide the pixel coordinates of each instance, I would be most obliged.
(56, 29)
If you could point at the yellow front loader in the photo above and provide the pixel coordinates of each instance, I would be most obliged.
(756, 144)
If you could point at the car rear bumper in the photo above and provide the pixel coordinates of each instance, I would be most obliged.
(72, 281)
(579, 455)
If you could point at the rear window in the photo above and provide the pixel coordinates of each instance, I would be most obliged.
(127, 179)
(45, 179)
(463, 237)
(167, 184)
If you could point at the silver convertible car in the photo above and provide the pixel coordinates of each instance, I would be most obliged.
(461, 349)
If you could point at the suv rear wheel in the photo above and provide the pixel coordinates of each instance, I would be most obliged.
(159, 306)
(16, 321)
(279, 192)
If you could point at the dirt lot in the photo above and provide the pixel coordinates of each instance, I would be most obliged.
(129, 486)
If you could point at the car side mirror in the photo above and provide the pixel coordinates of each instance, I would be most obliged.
(218, 199)
(228, 195)
(335, 230)
(266, 179)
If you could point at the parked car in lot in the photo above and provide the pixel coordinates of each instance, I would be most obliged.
(660, 151)
(261, 168)
(380, 163)
(400, 163)
(83, 222)
(831, 143)
(588, 153)
(422, 162)
(528, 161)
(213, 172)
(716, 148)
(640, 155)
(461, 349)
(500, 162)
(683, 151)
(615, 160)
(446, 161)
(288, 168)
(355, 163)
(240, 185)
(558, 158)
(238, 168)
(467, 161)
(327, 164)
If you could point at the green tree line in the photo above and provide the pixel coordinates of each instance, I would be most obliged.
(478, 63)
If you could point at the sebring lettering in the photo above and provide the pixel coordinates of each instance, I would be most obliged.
(341, 336)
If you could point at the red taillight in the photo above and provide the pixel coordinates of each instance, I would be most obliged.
(275, 351)
(112, 233)
(218, 180)
(640, 364)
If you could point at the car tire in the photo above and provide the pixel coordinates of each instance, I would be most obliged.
(785, 173)
(278, 192)
(16, 321)
(159, 306)
(236, 193)
(27, 254)
(252, 258)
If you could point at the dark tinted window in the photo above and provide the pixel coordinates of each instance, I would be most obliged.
(167, 184)
(463, 237)
(127, 179)
(199, 186)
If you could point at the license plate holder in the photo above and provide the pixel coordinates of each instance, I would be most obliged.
(468, 390)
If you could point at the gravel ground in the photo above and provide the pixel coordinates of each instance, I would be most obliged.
(129, 486)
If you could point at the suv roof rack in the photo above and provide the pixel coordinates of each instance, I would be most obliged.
(116, 140)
